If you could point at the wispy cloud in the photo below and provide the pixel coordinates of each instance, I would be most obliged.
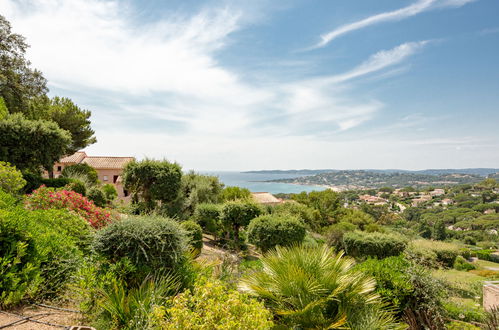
(164, 82)
(396, 15)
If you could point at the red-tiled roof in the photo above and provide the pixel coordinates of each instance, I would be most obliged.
(107, 162)
(76, 158)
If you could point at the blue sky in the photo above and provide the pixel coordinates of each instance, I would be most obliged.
(239, 85)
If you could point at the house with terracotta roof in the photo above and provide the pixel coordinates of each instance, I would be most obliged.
(109, 169)
(266, 198)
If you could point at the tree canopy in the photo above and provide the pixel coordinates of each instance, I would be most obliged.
(31, 144)
(153, 180)
(18, 81)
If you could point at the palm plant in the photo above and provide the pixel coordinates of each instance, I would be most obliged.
(123, 308)
(316, 287)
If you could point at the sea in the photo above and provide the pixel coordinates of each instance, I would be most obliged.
(253, 182)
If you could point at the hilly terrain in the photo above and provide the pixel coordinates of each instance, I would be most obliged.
(351, 179)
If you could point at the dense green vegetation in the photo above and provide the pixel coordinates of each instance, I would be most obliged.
(186, 252)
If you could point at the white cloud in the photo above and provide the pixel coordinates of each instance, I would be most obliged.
(170, 70)
(396, 15)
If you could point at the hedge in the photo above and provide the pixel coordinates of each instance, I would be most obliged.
(268, 231)
(361, 244)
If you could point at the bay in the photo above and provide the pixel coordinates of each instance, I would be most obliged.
(252, 181)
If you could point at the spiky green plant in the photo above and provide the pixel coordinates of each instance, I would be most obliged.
(132, 308)
(316, 288)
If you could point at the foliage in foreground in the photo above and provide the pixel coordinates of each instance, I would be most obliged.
(150, 243)
(11, 180)
(317, 288)
(122, 308)
(412, 291)
(211, 305)
(38, 250)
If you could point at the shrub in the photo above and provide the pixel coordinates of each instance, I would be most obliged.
(150, 243)
(97, 197)
(316, 288)
(38, 251)
(465, 253)
(46, 198)
(380, 245)
(487, 254)
(469, 240)
(235, 215)
(305, 213)
(446, 252)
(11, 180)
(134, 308)
(358, 218)
(55, 182)
(77, 186)
(6, 200)
(334, 233)
(194, 234)
(392, 280)
(465, 312)
(152, 180)
(81, 169)
(207, 215)
(461, 264)
(421, 255)
(233, 193)
(211, 305)
(110, 192)
(268, 231)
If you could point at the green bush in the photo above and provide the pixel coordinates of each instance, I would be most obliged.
(11, 180)
(334, 233)
(56, 182)
(77, 186)
(110, 192)
(421, 255)
(360, 244)
(305, 213)
(6, 200)
(269, 231)
(150, 243)
(194, 234)
(392, 280)
(469, 240)
(208, 215)
(461, 264)
(97, 196)
(446, 252)
(212, 305)
(235, 215)
(81, 169)
(39, 250)
(464, 312)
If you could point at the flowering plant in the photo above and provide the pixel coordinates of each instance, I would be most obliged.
(48, 198)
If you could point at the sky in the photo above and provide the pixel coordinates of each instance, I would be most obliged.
(262, 84)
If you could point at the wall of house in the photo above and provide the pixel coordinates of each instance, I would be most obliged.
(107, 176)
(490, 295)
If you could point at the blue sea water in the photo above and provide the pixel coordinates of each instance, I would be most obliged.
(251, 182)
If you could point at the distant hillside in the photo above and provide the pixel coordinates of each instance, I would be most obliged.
(473, 171)
(372, 179)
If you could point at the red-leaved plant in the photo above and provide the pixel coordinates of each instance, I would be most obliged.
(48, 198)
